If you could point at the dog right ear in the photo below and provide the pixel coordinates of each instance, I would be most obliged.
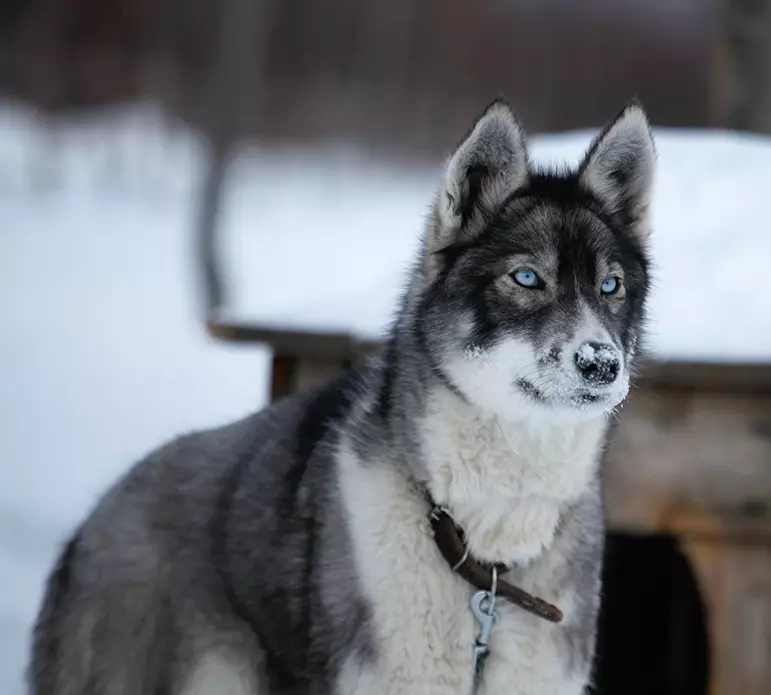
(489, 165)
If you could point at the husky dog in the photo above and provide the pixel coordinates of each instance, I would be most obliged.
(292, 553)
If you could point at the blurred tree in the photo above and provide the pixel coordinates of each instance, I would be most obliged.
(234, 85)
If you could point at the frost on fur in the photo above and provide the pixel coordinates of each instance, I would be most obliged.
(619, 169)
(489, 165)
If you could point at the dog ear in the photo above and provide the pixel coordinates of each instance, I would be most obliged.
(489, 165)
(618, 170)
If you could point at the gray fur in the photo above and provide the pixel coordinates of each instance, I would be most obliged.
(235, 540)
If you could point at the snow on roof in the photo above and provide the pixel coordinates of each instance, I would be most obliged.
(321, 241)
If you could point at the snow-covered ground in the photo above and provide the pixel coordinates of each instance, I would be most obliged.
(102, 355)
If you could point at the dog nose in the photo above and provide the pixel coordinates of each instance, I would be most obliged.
(598, 363)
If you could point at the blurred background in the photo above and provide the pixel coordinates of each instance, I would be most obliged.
(205, 205)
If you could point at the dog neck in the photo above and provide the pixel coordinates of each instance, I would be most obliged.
(506, 483)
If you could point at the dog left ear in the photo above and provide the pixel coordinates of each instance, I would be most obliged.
(618, 169)
(487, 167)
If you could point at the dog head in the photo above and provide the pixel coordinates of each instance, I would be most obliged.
(533, 283)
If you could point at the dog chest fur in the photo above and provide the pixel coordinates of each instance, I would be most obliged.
(505, 483)
(509, 486)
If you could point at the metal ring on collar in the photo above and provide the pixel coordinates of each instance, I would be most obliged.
(493, 587)
(463, 559)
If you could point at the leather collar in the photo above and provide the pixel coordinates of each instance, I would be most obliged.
(450, 541)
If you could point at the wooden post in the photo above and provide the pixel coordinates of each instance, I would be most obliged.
(292, 374)
(234, 87)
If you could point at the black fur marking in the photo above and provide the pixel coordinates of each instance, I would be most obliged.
(285, 612)
(621, 177)
(384, 401)
(557, 188)
(453, 253)
(436, 369)
(530, 389)
(328, 407)
(219, 553)
(485, 326)
(475, 176)
(585, 398)
(280, 669)
(331, 407)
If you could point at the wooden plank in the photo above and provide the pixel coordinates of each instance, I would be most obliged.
(290, 374)
(310, 346)
(311, 375)
(282, 376)
(712, 376)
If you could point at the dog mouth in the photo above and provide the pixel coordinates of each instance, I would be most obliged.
(579, 398)
(582, 398)
(531, 390)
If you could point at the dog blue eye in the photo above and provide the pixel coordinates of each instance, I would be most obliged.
(610, 285)
(527, 277)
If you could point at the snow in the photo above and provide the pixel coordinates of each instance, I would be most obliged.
(102, 353)
(346, 227)
(586, 352)
(589, 354)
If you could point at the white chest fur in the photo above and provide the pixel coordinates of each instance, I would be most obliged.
(421, 621)
(505, 484)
